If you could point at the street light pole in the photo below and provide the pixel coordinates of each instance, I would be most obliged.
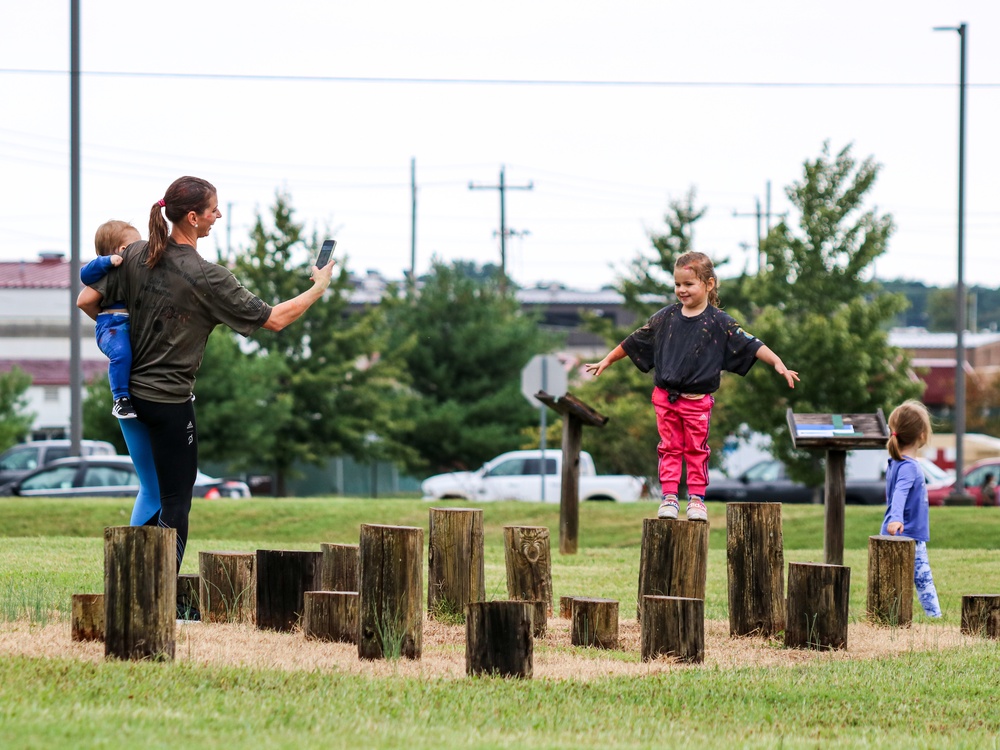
(959, 496)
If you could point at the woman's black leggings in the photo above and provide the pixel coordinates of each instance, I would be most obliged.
(173, 437)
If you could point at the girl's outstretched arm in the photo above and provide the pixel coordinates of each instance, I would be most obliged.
(613, 356)
(764, 354)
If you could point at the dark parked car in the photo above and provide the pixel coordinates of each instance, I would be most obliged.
(975, 474)
(21, 459)
(105, 476)
(768, 482)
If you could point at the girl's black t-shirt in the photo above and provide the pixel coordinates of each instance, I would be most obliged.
(689, 354)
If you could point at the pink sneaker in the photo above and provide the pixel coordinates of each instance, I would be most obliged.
(669, 507)
(696, 510)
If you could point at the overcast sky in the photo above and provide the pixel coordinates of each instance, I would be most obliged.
(641, 102)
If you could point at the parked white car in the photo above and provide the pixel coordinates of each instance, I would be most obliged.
(517, 476)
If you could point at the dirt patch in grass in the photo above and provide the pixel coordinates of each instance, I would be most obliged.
(444, 649)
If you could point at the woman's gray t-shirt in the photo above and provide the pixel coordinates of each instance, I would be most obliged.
(173, 308)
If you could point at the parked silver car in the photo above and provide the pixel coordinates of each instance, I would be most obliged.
(21, 459)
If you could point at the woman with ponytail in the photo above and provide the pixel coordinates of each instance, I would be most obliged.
(689, 344)
(175, 299)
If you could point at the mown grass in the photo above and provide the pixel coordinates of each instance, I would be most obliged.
(921, 699)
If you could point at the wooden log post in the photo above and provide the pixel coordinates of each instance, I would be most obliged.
(188, 597)
(818, 597)
(981, 615)
(331, 616)
(674, 559)
(228, 586)
(140, 592)
(390, 608)
(87, 617)
(569, 501)
(566, 607)
(498, 639)
(755, 566)
(594, 622)
(455, 567)
(283, 578)
(890, 580)
(529, 564)
(673, 626)
(835, 498)
(339, 569)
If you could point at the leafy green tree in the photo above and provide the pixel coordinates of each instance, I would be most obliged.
(464, 340)
(820, 314)
(98, 422)
(340, 389)
(15, 422)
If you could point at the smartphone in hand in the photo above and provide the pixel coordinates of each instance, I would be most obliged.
(325, 252)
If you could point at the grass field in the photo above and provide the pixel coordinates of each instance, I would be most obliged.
(926, 688)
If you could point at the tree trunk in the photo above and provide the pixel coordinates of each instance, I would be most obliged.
(188, 597)
(331, 616)
(390, 613)
(981, 615)
(818, 597)
(228, 591)
(455, 569)
(890, 580)
(87, 617)
(674, 559)
(673, 626)
(340, 567)
(498, 639)
(140, 592)
(283, 578)
(529, 564)
(594, 623)
(756, 569)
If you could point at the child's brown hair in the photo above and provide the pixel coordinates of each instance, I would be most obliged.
(910, 424)
(704, 269)
(111, 235)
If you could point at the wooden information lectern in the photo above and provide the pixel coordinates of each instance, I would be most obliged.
(837, 434)
(575, 414)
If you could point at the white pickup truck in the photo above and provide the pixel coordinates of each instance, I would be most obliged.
(517, 476)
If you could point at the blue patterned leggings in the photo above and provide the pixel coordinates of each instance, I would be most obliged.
(924, 582)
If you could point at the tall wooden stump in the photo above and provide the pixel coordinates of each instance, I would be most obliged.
(228, 588)
(890, 580)
(140, 592)
(981, 615)
(529, 564)
(188, 597)
(540, 618)
(455, 572)
(390, 613)
(331, 616)
(340, 567)
(673, 626)
(87, 617)
(594, 622)
(818, 596)
(283, 578)
(755, 565)
(498, 639)
(674, 559)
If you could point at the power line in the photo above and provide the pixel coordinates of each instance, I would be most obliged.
(501, 81)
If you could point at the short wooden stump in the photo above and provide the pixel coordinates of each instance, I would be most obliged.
(594, 622)
(228, 586)
(673, 626)
(890, 580)
(818, 597)
(498, 639)
(87, 617)
(331, 616)
(981, 615)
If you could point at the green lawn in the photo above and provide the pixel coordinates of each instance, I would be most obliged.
(51, 549)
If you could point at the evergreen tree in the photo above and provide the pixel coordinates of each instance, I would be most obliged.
(340, 390)
(15, 422)
(820, 314)
(464, 340)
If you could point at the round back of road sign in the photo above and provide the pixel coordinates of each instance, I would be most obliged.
(544, 372)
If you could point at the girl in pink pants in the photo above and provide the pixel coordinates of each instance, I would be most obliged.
(689, 344)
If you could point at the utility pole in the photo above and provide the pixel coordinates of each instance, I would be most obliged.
(413, 220)
(502, 187)
(75, 366)
(760, 216)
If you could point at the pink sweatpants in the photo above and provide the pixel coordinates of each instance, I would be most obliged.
(683, 427)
